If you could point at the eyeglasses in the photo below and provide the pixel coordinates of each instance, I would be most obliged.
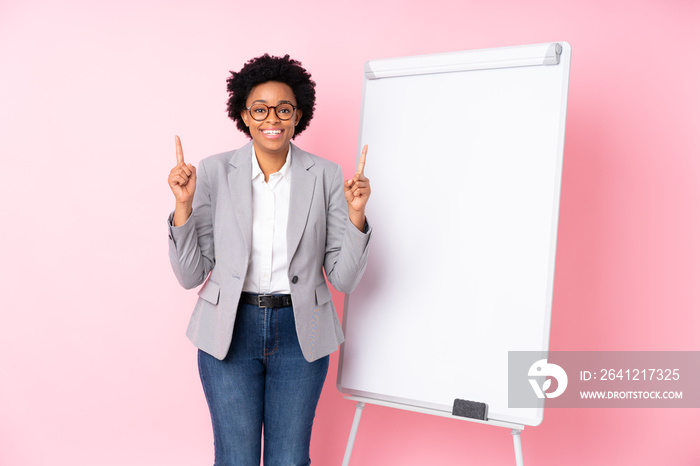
(259, 111)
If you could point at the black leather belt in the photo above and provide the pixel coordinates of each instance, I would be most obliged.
(267, 300)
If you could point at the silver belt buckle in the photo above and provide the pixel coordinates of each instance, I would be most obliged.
(260, 296)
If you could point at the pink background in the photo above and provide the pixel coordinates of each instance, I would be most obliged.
(94, 365)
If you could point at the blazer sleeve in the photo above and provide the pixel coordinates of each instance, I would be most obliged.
(191, 246)
(346, 246)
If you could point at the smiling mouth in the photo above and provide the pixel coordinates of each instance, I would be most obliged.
(272, 132)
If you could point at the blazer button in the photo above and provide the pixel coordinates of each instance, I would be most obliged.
(295, 279)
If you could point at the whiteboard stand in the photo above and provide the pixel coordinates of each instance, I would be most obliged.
(490, 232)
(515, 429)
(518, 447)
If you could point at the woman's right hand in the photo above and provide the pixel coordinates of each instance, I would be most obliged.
(183, 182)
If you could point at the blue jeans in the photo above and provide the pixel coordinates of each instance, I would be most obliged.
(263, 381)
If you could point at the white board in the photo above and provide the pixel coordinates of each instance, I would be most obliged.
(465, 159)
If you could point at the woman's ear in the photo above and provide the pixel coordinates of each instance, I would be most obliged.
(299, 113)
(244, 116)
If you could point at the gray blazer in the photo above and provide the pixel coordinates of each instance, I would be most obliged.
(216, 239)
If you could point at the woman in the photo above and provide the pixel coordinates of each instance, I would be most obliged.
(263, 223)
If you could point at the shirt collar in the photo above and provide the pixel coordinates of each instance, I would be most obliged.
(257, 171)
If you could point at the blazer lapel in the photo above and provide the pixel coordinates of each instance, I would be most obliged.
(300, 196)
(241, 190)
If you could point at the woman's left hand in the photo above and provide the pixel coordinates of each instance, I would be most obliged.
(357, 191)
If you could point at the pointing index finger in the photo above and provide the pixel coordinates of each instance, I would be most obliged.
(178, 151)
(361, 163)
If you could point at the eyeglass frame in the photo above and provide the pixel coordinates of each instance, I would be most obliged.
(294, 108)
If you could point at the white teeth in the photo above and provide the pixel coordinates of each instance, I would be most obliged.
(272, 131)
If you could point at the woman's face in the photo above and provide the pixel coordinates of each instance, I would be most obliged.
(271, 136)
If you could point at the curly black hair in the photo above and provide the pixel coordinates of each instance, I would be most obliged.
(267, 68)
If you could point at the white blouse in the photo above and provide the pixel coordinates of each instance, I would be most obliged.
(267, 269)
